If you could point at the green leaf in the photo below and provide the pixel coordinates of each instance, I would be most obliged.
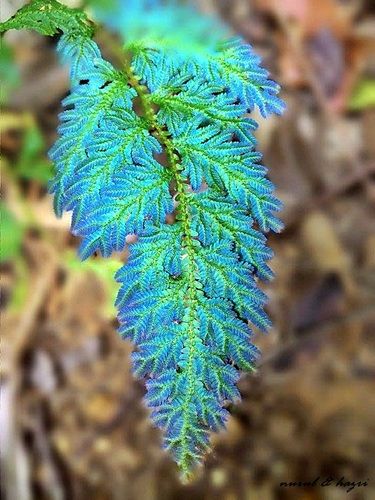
(11, 235)
(9, 75)
(49, 17)
(363, 96)
(32, 164)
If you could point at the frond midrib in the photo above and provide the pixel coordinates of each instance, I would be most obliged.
(184, 216)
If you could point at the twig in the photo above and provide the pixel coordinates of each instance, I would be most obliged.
(13, 459)
(304, 61)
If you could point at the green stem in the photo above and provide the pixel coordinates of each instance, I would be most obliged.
(184, 216)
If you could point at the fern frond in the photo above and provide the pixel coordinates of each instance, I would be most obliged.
(152, 24)
(215, 217)
(168, 135)
(106, 173)
(239, 68)
(49, 17)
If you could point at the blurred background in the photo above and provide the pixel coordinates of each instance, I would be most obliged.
(73, 425)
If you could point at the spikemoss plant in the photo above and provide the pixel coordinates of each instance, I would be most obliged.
(162, 147)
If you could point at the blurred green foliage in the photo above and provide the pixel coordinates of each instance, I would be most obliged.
(363, 96)
(31, 163)
(9, 74)
(164, 24)
(11, 235)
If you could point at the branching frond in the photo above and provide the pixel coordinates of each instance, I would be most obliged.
(163, 148)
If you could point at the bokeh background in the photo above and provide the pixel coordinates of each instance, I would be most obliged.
(73, 425)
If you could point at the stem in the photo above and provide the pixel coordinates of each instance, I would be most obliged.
(184, 216)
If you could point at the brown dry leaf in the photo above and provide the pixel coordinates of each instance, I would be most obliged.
(313, 15)
(320, 47)
(369, 252)
(101, 408)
